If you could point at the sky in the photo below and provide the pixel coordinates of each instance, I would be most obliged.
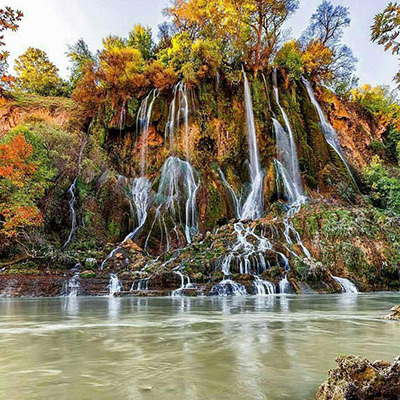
(51, 25)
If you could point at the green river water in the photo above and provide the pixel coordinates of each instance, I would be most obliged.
(275, 347)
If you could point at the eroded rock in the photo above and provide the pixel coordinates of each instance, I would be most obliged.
(356, 378)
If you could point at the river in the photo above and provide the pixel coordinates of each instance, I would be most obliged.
(275, 347)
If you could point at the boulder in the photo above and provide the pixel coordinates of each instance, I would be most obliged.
(394, 314)
(356, 378)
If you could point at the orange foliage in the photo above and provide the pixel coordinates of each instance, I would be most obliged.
(19, 217)
(16, 170)
(13, 160)
(160, 77)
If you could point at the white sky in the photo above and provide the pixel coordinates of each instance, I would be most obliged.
(52, 24)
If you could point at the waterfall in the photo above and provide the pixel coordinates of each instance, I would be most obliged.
(284, 286)
(141, 196)
(188, 285)
(178, 111)
(142, 126)
(176, 197)
(72, 287)
(179, 182)
(287, 167)
(236, 200)
(142, 284)
(141, 186)
(71, 202)
(254, 204)
(346, 285)
(327, 129)
(114, 285)
(287, 163)
(247, 254)
(263, 287)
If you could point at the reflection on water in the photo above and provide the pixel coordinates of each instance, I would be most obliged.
(274, 347)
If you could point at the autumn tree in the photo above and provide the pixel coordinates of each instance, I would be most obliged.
(248, 29)
(326, 58)
(140, 38)
(9, 20)
(80, 56)
(37, 74)
(24, 177)
(386, 30)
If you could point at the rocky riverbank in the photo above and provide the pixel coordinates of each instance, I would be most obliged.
(356, 378)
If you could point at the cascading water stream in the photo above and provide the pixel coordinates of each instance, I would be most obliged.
(72, 287)
(179, 182)
(253, 206)
(327, 129)
(346, 285)
(263, 287)
(189, 285)
(71, 202)
(141, 187)
(114, 285)
(287, 166)
(287, 153)
(143, 125)
(284, 286)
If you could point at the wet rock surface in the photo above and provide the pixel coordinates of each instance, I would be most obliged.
(394, 314)
(356, 378)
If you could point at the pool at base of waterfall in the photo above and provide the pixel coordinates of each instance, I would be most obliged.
(105, 348)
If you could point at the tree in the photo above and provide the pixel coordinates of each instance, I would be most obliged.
(37, 74)
(9, 20)
(386, 30)
(290, 57)
(327, 24)
(79, 56)
(112, 79)
(250, 29)
(20, 185)
(140, 38)
(328, 59)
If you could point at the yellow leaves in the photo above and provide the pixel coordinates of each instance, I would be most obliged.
(317, 59)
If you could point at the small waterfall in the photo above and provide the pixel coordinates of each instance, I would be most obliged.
(72, 287)
(227, 287)
(71, 202)
(114, 285)
(247, 254)
(253, 206)
(346, 285)
(142, 284)
(141, 196)
(327, 129)
(176, 197)
(284, 286)
(141, 187)
(263, 287)
(188, 285)
(287, 161)
(236, 200)
(179, 182)
(288, 171)
(142, 126)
